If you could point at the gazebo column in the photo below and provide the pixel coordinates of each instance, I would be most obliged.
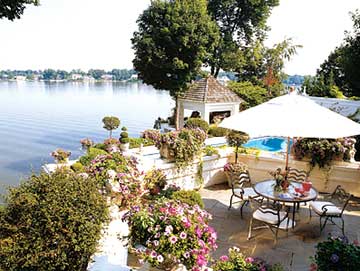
(206, 115)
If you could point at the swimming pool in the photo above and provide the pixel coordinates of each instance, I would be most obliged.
(272, 144)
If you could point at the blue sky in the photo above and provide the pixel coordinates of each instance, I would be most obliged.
(66, 34)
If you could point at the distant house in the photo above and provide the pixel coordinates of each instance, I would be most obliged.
(134, 77)
(20, 78)
(107, 77)
(76, 77)
(88, 79)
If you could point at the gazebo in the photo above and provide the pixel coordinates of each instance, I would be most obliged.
(209, 98)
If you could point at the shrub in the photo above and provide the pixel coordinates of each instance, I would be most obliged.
(194, 123)
(136, 142)
(237, 261)
(77, 167)
(60, 155)
(51, 222)
(91, 154)
(336, 254)
(155, 181)
(111, 123)
(189, 197)
(210, 150)
(86, 143)
(172, 232)
(217, 131)
(100, 146)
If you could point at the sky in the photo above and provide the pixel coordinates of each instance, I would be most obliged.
(84, 34)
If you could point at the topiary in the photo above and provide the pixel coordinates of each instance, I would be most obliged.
(124, 136)
(217, 131)
(194, 123)
(236, 139)
(188, 196)
(51, 222)
(111, 123)
(91, 154)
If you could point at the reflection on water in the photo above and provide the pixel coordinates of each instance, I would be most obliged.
(37, 117)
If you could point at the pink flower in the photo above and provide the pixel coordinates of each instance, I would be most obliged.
(183, 235)
(313, 267)
(153, 254)
(201, 260)
(186, 255)
(249, 260)
(198, 231)
(224, 258)
(173, 239)
(156, 243)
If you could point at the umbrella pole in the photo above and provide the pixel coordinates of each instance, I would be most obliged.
(287, 153)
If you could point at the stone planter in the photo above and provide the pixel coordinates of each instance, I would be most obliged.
(125, 147)
(167, 153)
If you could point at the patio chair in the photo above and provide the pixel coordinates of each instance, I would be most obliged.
(271, 215)
(241, 189)
(333, 208)
(296, 175)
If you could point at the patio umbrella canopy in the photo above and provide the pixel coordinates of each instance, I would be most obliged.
(292, 115)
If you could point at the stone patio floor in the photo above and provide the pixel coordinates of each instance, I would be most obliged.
(292, 251)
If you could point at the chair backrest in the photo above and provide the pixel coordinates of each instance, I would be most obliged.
(266, 207)
(296, 175)
(340, 197)
(241, 180)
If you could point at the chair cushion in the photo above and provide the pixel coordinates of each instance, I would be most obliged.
(248, 191)
(331, 210)
(268, 217)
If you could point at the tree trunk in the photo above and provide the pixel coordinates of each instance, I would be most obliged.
(236, 153)
(110, 133)
(217, 72)
(176, 113)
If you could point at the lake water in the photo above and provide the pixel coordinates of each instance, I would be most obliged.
(38, 117)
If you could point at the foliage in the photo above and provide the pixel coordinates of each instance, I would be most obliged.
(189, 197)
(172, 232)
(77, 167)
(96, 74)
(323, 151)
(342, 64)
(337, 254)
(251, 94)
(194, 123)
(172, 42)
(217, 131)
(111, 123)
(235, 168)
(136, 142)
(60, 155)
(13, 9)
(210, 150)
(86, 143)
(240, 22)
(236, 139)
(124, 136)
(280, 177)
(183, 145)
(51, 222)
(321, 87)
(236, 261)
(155, 181)
(91, 154)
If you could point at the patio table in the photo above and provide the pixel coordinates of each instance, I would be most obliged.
(266, 189)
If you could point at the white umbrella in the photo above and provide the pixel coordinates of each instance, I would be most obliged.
(292, 115)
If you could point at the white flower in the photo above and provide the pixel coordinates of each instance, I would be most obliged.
(160, 258)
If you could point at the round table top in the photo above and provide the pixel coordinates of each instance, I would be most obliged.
(266, 190)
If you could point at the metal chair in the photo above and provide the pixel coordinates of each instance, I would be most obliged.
(296, 175)
(241, 189)
(271, 215)
(333, 208)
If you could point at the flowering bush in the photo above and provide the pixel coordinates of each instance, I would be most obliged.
(60, 155)
(155, 181)
(112, 145)
(86, 143)
(236, 261)
(153, 135)
(235, 168)
(336, 254)
(172, 233)
(323, 151)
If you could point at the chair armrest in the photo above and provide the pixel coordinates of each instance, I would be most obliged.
(324, 209)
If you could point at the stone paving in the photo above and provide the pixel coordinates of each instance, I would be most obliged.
(293, 250)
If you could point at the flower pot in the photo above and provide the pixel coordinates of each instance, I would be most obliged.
(167, 153)
(125, 147)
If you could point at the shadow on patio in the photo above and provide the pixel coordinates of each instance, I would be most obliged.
(292, 251)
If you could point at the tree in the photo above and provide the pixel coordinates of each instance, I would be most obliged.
(13, 9)
(111, 123)
(172, 42)
(251, 94)
(51, 222)
(241, 22)
(96, 74)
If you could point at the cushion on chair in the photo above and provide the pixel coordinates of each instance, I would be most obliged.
(331, 210)
(268, 217)
(248, 191)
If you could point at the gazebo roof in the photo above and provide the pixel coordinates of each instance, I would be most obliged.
(209, 90)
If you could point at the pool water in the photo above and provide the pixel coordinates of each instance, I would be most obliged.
(272, 144)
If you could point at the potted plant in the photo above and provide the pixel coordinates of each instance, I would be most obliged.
(172, 233)
(61, 156)
(155, 181)
(232, 170)
(281, 182)
(236, 139)
(124, 139)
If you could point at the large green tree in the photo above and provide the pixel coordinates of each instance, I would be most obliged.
(173, 41)
(344, 62)
(13, 9)
(241, 22)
